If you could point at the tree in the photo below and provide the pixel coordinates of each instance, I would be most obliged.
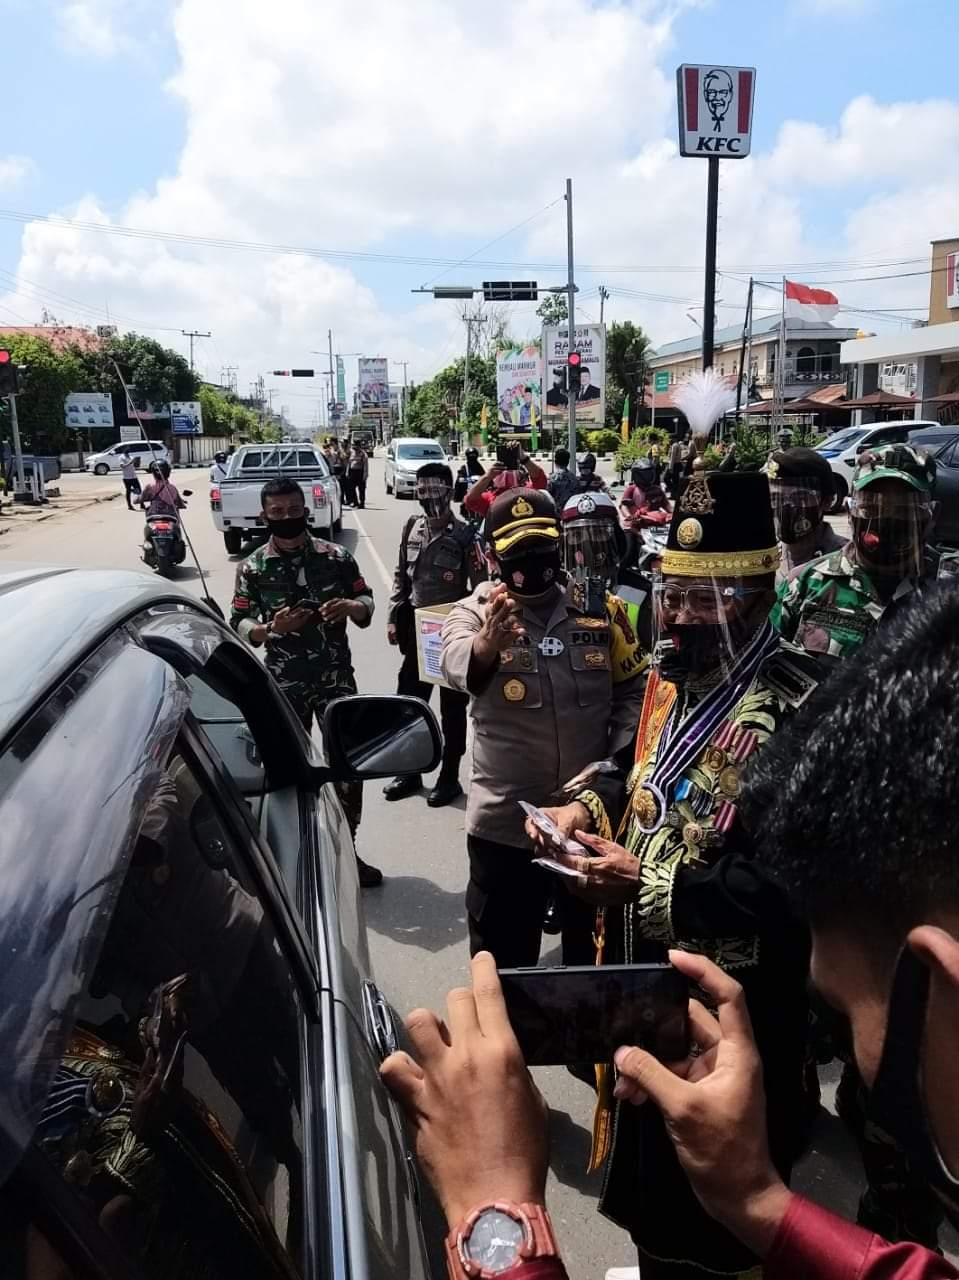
(554, 309)
(626, 350)
(158, 373)
(429, 404)
(50, 376)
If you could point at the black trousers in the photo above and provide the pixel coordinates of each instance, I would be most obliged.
(131, 486)
(358, 488)
(505, 901)
(453, 708)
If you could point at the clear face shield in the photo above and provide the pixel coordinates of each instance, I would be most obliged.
(591, 550)
(889, 528)
(702, 625)
(434, 496)
(797, 508)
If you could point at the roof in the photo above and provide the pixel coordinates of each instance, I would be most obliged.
(878, 399)
(60, 336)
(902, 348)
(764, 326)
(51, 617)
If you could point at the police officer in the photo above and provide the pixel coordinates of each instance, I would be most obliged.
(219, 469)
(294, 594)
(802, 490)
(552, 688)
(439, 562)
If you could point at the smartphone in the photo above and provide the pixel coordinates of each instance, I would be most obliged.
(583, 1014)
(315, 605)
(508, 455)
(549, 829)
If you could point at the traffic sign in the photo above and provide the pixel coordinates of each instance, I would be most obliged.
(510, 291)
(661, 381)
(715, 110)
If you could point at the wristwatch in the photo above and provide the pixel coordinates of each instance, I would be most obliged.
(495, 1237)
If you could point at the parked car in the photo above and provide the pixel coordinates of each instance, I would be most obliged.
(942, 443)
(404, 457)
(235, 501)
(843, 448)
(146, 450)
(189, 1081)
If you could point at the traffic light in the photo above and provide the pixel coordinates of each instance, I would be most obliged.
(280, 373)
(301, 373)
(510, 291)
(574, 373)
(8, 374)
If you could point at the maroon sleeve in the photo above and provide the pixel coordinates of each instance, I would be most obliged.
(813, 1244)
(538, 1269)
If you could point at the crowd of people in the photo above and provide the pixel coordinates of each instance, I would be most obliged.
(762, 789)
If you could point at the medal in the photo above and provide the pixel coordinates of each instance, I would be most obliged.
(649, 806)
(729, 783)
(693, 833)
(715, 759)
(514, 691)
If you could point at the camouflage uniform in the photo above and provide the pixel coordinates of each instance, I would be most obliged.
(831, 606)
(312, 666)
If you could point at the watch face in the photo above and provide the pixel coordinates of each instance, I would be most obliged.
(495, 1241)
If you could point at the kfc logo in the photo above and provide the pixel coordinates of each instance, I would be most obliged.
(715, 110)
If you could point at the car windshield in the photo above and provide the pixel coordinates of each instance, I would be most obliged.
(420, 451)
(843, 439)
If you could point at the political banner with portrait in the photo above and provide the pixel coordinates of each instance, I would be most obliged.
(590, 342)
(519, 386)
(373, 382)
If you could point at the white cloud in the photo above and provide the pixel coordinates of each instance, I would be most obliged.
(106, 28)
(13, 170)
(363, 125)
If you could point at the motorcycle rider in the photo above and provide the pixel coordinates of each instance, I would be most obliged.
(162, 496)
(643, 495)
(218, 470)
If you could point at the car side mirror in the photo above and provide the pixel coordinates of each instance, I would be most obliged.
(188, 493)
(374, 736)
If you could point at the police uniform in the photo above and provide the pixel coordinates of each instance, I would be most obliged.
(434, 568)
(673, 804)
(314, 665)
(567, 694)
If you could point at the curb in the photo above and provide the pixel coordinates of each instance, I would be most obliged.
(59, 511)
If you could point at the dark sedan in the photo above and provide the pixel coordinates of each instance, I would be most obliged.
(190, 1033)
(942, 443)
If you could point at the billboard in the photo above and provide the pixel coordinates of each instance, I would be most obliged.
(88, 409)
(519, 385)
(340, 396)
(715, 110)
(373, 383)
(952, 280)
(186, 417)
(591, 345)
(139, 407)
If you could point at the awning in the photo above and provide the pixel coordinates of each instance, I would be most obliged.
(880, 400)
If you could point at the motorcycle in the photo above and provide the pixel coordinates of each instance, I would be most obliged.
(163, 544)
(636, 576)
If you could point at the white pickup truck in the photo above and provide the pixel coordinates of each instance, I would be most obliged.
(235, 501)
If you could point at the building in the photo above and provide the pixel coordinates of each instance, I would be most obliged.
(61, 337)
(812, 356)
(932, 347)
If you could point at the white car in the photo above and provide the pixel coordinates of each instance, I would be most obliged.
(235, 501)
(146, 450)
(404, 457)
(844, 447)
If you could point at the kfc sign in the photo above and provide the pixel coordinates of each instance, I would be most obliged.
(715, 110)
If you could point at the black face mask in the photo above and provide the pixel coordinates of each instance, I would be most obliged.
(288, 527)
(690, 649)
(896, 1105)
(795, 523)
(435, 508)
(888, 545)
(531, 575)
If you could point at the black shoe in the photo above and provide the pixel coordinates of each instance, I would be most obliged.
(370, 877)
(445, 792)
(400, 788)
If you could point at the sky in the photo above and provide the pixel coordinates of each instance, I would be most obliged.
(388, 143)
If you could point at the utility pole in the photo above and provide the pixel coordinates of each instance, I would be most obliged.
(405, 364)
(571, 293)
(17, 448)
(191, 334)
(745, 350)
(229, 372)
(603, 295)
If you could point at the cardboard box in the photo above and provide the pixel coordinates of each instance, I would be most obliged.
(427, 625)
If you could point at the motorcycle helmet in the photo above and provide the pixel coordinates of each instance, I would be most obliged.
(643, 473)
(220, 457)
(593, 542)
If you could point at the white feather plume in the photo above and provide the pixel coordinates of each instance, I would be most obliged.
(704, 398)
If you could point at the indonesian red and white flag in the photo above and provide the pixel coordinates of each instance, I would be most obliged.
(803, 303)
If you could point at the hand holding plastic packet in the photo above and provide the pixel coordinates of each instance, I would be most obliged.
(550, 829)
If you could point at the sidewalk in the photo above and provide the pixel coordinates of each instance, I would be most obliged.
(77, 491)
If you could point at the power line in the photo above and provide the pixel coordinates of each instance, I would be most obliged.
(526, 221)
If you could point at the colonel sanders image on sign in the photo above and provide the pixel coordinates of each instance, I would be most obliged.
(718, 92)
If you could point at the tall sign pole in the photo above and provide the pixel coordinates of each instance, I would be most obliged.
(571, 294)
(715, 123)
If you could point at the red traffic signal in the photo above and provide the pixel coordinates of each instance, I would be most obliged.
(280, 373)
(574, 373)
(9, 380)
(5, 357)
(574, 359)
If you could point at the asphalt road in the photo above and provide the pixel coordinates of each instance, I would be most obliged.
(416, 920)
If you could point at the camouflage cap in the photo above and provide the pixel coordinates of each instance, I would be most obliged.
(901, 462)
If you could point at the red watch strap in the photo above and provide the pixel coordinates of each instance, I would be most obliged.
(537, 1269)
(544, 1252)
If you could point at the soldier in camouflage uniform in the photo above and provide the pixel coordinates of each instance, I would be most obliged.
(295, 595)
(831, 606)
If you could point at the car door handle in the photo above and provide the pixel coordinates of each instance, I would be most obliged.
(380, 1026)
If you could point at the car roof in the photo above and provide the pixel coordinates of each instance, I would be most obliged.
(51, 617)
(417, 440)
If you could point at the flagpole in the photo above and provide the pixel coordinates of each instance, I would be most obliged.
(781, 370)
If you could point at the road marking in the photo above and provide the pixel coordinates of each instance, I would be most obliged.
(381, 568)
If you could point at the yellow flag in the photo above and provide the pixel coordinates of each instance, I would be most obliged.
(624, 427)
(483, 417)
(533, 437)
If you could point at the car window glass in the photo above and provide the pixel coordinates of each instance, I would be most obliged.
(950, 455)
(175, 1114)
(251, 460)
(225, 726)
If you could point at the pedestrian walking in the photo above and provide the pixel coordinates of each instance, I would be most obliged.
(439, 562)
(295, 595)
(219, 468)
(131, 484)
(552, 688)
(674, 470)
(561, 483)
(358, 469)
(675, 863)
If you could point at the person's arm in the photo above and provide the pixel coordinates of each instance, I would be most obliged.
(356, 602)
(474, 501)
(401, 580)
(537, 476)
(630, 665)
(247, 617)
(785, 613)
(478, 1121)
(472, 642)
